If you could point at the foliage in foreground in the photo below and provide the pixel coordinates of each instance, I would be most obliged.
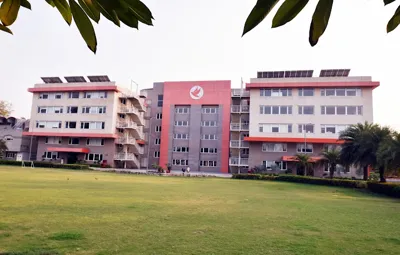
(389, 189)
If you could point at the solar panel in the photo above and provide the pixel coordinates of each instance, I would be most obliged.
(334, 73)
(285, 74)
(51, 80)
(99, 78)
(75, 79)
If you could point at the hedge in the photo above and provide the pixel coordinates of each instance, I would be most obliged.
(389, 189)
(46, 164)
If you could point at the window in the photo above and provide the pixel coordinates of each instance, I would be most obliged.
(95, 94)
(306, 109)
(180, 162)
(93, 157)
(182, 110)
(208, 163)
(341, 110)
(123, 101)
(182, 123)
(275, 128)
(276, 92)
(52, 140)
(73, 141)
(181, 136)
(158, 128)
(157, 141)
(307, 128)
(208, 150)
(209, 137)
(50, 95)
(72, 109)
(8, 138)
(306, 92)
(94, 109)
(122, 116)
(50, 155)
(333, 129)
(208, 123)
(10, 154)
(92, 125)
(341, 92)
(274, 147)
(74, 94)
(159, 116)
(304, 148)
(275, 165)
(276, 109)
(210, 110)
(48, 124)
(332, 147)
(70, 124)
(156, 154)
(181, 149)
(50, 109)
(160, 100)
(95, 141)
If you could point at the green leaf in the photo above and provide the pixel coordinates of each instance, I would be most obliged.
(394, 21)
(128, 18)
(140, 10)
(64, 9)
(259, 12)
(9, 11)
(386, 2)
(320, 20)
(26, 4)
(288, 11)
(50, 2)
(90, 9)
(108, 8)
(84, 25)
(5, 29)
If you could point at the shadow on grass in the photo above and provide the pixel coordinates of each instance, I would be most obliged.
(62, 236)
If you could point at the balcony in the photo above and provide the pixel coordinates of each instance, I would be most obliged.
(123, 140)
(240, 93)
(239, 144)
(127, 124)
(238, 161)
(240, 109)
(136, 100)
(136, 115)
(239, 127)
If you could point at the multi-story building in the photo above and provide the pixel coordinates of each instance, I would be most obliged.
(293, 112)
(19, 147)
(188, 125)
(91, 121)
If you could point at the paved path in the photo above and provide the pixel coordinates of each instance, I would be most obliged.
(144, 171)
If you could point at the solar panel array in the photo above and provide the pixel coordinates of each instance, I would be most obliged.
(99, 78)
(51, 80)
(75, 79)
(285, 74)
(334, 73)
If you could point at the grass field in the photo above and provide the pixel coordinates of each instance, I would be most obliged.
(67, 212)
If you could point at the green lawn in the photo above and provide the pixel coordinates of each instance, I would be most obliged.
(73, 212)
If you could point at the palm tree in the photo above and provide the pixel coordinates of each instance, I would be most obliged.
(303, 161)
(361, 143)
(3, 147)
(333, 159)
(389, 153)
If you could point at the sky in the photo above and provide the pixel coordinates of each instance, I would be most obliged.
(201, 40)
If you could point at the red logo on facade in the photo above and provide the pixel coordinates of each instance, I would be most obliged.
(196, 92)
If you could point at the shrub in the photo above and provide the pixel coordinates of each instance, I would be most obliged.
(389, 189)
(45, 164)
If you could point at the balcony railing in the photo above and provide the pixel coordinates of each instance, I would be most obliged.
(238, 161)
(124, 140)
(240, 93)
(240, 109)
(126, 124)
(129, 110)
(239, 144)
(239, 127)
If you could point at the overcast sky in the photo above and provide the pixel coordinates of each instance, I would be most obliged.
(201, 40)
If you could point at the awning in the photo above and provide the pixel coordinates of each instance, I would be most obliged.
(293, 159)
(142, 142)
(67, 149)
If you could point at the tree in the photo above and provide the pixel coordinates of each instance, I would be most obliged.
(333, 159)
(389, 152)
(3, 147)
(303, 161)
(5, 108)
(361, 144)
(129, 12)
(291, 8)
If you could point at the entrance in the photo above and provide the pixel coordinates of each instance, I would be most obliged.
(72, 158)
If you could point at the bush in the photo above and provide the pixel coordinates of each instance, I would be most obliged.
(389, 189)
(46, 164)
